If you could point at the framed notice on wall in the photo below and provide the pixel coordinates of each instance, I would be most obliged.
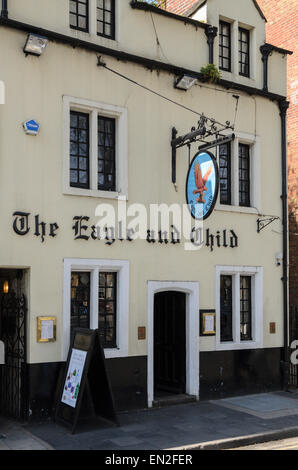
(46, 329)
(208, 322)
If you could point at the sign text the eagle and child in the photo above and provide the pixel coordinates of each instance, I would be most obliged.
(84, 230)
(164, 224)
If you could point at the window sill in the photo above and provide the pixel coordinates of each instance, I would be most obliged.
(238, 209)
(115, 353)
(94, 193)
(232, 346)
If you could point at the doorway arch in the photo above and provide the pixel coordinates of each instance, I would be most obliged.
(192, 333)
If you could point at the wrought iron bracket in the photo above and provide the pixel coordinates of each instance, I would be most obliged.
(196, 135)
(262, 223)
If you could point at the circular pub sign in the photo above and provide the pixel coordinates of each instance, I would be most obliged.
(202, 185)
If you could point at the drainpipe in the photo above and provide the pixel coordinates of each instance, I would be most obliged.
(211, 33)
(4, 11)
(283, 107)
(266, 50)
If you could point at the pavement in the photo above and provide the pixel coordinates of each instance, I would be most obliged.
(208, 425)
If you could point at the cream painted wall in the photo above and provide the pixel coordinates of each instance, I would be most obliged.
(31, 180)
(180, 44)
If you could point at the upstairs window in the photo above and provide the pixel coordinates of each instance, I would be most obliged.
(79, 150)
(244, 175)
(225, 46)
(79, 15)
(106, 18)
(244, 39)
(106, 153)
(225, 173)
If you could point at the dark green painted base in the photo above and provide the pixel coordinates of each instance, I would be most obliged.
(222, 374)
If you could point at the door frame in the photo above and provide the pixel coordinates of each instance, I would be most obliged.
(191, 289)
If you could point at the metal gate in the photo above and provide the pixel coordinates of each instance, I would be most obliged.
(293, 378)
(13, 391)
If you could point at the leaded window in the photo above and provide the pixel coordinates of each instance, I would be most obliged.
(106, 18)
(80, 300)
(79, 150)
(225, 173)
(244, 175)
(225, 46)
(78, 14)
(244, 37)
(106, 154)
(107, 308)
(245, 308)
(226, 308)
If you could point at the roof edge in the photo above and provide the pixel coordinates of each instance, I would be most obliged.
(159, 11)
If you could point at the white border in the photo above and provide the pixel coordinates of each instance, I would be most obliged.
(94, 266)
(257, 307)
(191, 289)
(94, 109)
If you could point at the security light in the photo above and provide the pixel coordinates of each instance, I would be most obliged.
(35, 44)
(185, 82)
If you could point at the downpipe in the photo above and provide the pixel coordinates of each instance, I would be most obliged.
(4, 10)
(283, 107)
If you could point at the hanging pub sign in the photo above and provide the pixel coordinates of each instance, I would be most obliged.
(202, 185)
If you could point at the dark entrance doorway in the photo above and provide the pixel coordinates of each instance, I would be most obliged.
(13, 317)
(170, 342)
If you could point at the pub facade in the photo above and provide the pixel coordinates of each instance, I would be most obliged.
(106, 116)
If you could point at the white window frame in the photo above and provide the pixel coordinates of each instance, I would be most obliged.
(256, 274)
(95, 109)
(255, 169)
(95, 266)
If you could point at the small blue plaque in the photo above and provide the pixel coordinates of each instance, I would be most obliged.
(31, 127)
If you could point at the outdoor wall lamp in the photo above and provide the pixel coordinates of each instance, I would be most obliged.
(185, 82)
(5, 287)
(35, 45)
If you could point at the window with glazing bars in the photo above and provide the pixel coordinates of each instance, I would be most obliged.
(107, 308)
(225, 173)
(106, 18)
(244, 52)
(244, 175)
(106, 153)
(80, 300)
(225, 46)
(79, 150)
(245, 308)
(226, 308)
(78, 14)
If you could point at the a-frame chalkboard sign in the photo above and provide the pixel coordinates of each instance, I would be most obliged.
(84, 392)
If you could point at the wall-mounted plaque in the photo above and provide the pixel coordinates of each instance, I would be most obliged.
(208, 322)
(46, 329)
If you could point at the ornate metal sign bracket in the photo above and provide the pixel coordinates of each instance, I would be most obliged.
(262, 223)
(206, 128)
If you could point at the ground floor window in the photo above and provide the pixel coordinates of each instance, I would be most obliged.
(239, 307)
(96, 296)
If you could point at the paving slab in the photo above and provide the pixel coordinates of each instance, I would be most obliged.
(189, 426)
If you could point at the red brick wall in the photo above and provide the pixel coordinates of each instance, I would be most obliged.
(282, 19)
(179, 6)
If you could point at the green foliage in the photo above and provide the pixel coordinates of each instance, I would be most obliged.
(211, 73)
